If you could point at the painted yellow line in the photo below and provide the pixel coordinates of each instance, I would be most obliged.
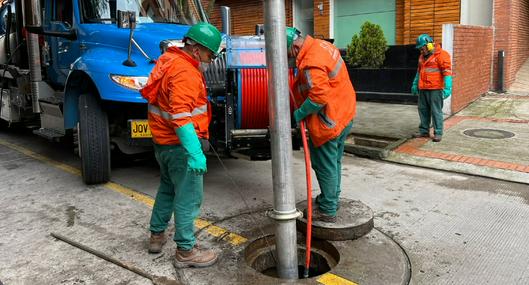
(42, 158)
(213, 230)
(331, 279)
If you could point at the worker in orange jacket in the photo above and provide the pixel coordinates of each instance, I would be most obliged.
(433, 84)
(327, 102)
(179, 116)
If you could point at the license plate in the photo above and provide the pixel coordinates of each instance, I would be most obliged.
(140, 129)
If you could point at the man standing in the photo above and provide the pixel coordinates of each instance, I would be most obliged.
(179, 116)
(327, 101)
(433, 84)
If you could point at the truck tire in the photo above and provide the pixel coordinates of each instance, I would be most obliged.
(94, 140)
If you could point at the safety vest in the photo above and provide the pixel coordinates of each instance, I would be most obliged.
(323, 77)
(432, 69)
(176, 93)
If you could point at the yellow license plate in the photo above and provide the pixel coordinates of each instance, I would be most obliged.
(140, 129)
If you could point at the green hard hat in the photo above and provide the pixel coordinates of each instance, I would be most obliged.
(422, 40)
(291, 36)
(206, 35)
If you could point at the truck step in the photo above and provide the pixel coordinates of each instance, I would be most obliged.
(50, 134)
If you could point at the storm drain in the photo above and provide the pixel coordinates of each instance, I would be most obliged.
(488, 134)
(261, 256)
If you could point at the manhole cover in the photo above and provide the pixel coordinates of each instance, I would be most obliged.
(488, 133)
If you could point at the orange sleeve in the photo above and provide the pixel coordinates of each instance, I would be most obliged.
(445, 64)
(184, 89)
(318, 82)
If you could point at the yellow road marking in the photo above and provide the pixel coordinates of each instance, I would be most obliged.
(213, 230)
(331, 279)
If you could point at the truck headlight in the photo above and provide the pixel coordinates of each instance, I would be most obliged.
(130, 82)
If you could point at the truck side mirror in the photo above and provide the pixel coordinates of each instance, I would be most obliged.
(126, 20)
(32, 15)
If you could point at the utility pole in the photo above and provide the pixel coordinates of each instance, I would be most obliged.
(285, 212)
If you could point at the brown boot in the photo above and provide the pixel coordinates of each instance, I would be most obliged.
(156, 242)
(319, 216)
(437, 138)
(196, 257)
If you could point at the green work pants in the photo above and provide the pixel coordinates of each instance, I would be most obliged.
(180, 192)
(430, 107)
(327, 163)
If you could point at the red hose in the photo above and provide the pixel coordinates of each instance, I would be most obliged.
(254, 98)
(306, 151)
(309, 198)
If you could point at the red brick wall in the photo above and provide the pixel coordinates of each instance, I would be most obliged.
(245, 14)
(471, 64)
(511, 20)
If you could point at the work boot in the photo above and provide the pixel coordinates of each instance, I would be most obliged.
(436, 138)
(420, 135)
(156, 242)
(319, 216)
(196, 257)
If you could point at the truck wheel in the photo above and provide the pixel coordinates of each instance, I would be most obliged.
(94, 140)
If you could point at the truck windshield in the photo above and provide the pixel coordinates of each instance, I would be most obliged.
(147, 11)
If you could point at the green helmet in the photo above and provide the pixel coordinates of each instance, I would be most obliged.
(423, 40)
(292, 34)
(206, 35)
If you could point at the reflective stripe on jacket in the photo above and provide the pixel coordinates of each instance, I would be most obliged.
(323, 77)
(176, 93)
(433, 69)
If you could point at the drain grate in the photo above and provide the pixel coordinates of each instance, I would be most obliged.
(488, 133)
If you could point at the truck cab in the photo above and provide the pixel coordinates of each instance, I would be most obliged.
(76, 69)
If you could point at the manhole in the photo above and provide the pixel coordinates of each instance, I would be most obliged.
(488, 133)
(261, 256)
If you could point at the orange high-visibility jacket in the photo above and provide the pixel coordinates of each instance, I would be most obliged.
(176, 92)
(432, 69)
(323, 77)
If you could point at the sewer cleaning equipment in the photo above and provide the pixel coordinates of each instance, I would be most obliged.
(309, 199)
(285, 212)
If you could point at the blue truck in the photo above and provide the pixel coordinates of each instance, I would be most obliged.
(74, 69)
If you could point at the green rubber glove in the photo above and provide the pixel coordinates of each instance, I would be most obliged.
(308, 107)
(196, 160)
(415, 85)
(448, 87)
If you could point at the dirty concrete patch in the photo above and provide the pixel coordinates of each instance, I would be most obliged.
(513, 149)
(470, 183)
(71, 214)
(498, 108)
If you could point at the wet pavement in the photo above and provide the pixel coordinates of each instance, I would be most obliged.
(488, 138)
(454, 228)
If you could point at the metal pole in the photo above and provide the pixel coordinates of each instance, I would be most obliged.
(226, 19)
(285, 212)
(501, 75)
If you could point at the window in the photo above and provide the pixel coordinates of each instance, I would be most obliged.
(62, 11)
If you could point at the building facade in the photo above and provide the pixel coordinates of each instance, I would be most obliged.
(474, 30)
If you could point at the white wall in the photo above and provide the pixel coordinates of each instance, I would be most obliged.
(476, 12)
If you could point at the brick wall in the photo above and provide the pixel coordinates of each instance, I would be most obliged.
(245, 14)
(511, 20)
(471, 63)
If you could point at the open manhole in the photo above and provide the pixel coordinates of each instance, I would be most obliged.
(261, 256)
(488, 133)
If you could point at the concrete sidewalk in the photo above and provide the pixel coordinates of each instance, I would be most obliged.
(489, 138)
